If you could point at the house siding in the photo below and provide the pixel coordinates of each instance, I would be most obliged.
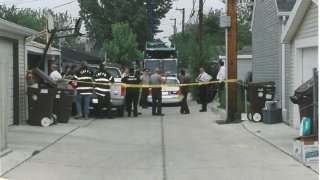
(308, 28)
(266, 44)
(309, 25)
(22, 69)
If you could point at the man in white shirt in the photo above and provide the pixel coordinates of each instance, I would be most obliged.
(203, 77)
(221, 89)
(55, 75)
(221, 76)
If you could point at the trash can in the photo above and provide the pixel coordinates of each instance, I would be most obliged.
(62, 106)
(258, 94)
(40, 100)
(303, 97)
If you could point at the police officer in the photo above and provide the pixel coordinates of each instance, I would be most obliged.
(132, 94)
(102, 77)
(156, 79)
(84, 89)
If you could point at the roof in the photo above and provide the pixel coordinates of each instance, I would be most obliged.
(295, 19)
(15, 28)
(284, 8)
(69, 54)
(37, 48)
(285, 5)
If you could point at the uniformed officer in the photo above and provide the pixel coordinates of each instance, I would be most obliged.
(203, 77)
(132, 94)
(102, 77)
(156, 79)
(84, 89)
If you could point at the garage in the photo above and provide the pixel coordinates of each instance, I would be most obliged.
(309, 61)
(6, 81)
(13, 66)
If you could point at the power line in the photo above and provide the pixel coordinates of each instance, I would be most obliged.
(14, 3)
(63, 4)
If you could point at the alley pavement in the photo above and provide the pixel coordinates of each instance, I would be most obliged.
(173, 147)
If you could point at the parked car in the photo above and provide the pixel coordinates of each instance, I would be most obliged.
(117, 92)
(169, 94)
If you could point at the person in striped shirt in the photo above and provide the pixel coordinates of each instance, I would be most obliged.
(102, 77)
(84, 89)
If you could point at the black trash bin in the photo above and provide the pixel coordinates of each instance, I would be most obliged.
(258, 94)
(303, 96)
(40, 100)
(62, 106)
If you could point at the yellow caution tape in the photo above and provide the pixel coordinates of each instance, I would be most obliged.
(153, 86)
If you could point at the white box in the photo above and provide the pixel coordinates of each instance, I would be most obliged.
(306, 149)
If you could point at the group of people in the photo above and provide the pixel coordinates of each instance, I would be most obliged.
(84, 87)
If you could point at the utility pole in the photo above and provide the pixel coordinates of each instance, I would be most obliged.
(174, 27)
(200, 31)
(232, 60)
(183, 10)
(151, 8)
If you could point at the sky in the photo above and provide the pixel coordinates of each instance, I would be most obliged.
(73, 8)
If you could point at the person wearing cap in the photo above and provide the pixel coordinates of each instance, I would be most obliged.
(156, 79)
(132, 93)
(84, 89)
(145, 80)
(55, 75)
(102, 77)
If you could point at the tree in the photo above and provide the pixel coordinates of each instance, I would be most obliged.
(36, 19)
(123, 48)
(99, 15)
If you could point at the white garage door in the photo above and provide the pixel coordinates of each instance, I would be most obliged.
(6, 80)
(309, 61)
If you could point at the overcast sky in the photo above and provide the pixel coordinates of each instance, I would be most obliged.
(73, 8)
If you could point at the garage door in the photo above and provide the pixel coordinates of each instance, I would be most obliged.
(309, 61)
(6, 80)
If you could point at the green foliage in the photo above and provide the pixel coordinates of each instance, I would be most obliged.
(99, 15)
(36, 19)
(123, 48)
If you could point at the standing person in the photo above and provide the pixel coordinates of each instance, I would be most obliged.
(102, 90)
(221, 76)
(55, 75)
(145, 80)
(65, 70)
(72, 71)
(84, 89)
(203, 77)
(184, 79)
(132, 93)
(125, 72)
(156, 79)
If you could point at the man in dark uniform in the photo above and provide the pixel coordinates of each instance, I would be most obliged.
(102, 90)
(84, 90)
(132, 94)
(156, 79)
(184, 79)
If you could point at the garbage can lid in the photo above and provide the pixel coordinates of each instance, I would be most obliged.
(305, 88)
(47, 80)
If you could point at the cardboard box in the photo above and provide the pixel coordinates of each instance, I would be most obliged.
(306, 149)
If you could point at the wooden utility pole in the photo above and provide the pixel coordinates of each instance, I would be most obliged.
(200, 31)
(183, 10)
(174, 27)
(232, 60)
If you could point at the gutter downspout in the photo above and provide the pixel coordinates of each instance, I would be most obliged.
(283, 70)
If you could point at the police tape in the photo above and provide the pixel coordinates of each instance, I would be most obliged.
(154, 86)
